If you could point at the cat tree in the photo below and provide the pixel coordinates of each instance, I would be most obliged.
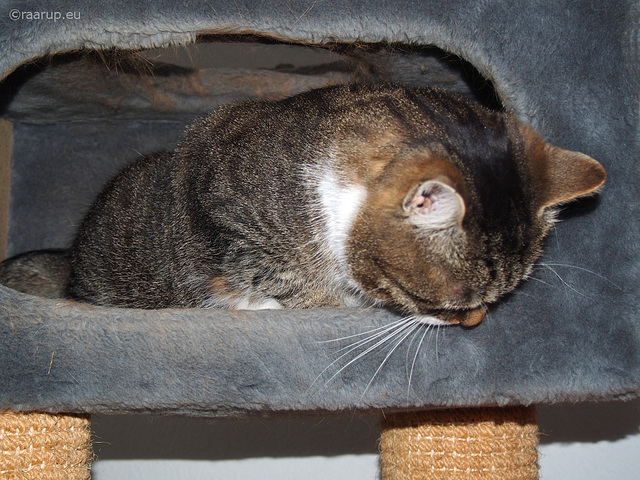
(570, 69)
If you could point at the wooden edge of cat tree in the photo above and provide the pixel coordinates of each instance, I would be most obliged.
(460, 444)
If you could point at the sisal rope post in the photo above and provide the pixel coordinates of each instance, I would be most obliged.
(460, 444)
(41, 446)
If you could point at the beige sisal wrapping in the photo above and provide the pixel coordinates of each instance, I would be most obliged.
(457, 444)
(39, 446)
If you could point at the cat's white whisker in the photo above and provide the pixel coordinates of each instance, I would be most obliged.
(413, 326)
(436, 343)
(582, 269)
(427, 329)
(413, 338)
(564, 282)
(370, 339)
(355, 335)
(394, 333)
(386, 334)
(381, 331)
(555, 231)
(537, 280)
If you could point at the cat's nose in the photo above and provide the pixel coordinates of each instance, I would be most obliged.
(468, 318)
(472, 317)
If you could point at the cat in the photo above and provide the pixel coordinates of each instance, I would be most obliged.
(44, 273)
(415, 199)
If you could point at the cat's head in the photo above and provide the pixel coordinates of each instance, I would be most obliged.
(458, 201)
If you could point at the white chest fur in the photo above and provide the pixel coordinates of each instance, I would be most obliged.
(340, 204)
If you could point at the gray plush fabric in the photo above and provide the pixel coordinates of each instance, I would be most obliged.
(246, 363)
(572, 332)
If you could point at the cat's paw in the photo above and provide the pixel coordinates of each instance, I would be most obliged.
(241, 302)
(267, 303)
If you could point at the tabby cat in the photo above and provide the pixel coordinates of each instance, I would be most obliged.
(411, 198)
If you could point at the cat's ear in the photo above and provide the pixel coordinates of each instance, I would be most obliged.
(570, 175)
(434, 205)
(562, 174)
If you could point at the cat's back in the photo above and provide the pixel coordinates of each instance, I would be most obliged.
(144, 184)
(124, 236)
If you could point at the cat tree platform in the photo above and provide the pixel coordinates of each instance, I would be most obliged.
(571, 333)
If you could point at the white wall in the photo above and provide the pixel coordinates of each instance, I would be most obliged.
(590, 441)
(581, 442)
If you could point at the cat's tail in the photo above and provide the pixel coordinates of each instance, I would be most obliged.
(44, 273)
